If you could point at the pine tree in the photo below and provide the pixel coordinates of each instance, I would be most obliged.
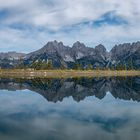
(78, 66)
(38, 65)
(89, 67)
(50, 64)
(21, 64)
(130, 64)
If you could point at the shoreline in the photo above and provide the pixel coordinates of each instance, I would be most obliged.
(19, 73)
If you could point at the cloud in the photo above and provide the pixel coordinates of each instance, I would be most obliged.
(26, 25)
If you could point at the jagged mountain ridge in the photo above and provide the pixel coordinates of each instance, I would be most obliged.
(62, 55)
(79, 53)
(10, 59)
(126, 52)
(68, 56)
(12, 55)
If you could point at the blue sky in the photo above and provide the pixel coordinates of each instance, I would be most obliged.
(27, 25)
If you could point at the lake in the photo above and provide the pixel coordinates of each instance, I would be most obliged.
(70, 109)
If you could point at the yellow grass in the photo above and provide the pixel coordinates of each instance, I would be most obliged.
(66, 73)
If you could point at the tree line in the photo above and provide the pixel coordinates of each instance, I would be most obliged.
(48, 65)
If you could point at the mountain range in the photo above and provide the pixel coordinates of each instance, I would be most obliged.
(65, 56)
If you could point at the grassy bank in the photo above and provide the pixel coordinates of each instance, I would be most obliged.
(66, 73)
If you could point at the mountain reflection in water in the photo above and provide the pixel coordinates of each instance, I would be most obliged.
(70, 109)
(54, 90)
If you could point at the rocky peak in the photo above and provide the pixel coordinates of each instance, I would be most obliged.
(78, 45)
(60, 43)
(100, 48)
(122, 53)
(79, 50)
(55, 44)
(80, 53)
(136, 43)
(101, 51)
(12, 55)
(52, 44)
(136, 46)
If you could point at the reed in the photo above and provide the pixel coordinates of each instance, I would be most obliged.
(66, 73)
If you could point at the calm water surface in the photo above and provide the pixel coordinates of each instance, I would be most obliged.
(70, 109)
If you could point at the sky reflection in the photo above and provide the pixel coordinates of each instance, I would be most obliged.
(28, 115)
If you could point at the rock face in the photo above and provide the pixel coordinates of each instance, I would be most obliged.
(80, 50)
(11, 55)
(10, 59)
(124, 53)
(79, 53)
(55, 51)
(68, 56)
(65, 56)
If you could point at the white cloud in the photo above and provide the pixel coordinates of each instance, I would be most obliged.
(56, 15)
